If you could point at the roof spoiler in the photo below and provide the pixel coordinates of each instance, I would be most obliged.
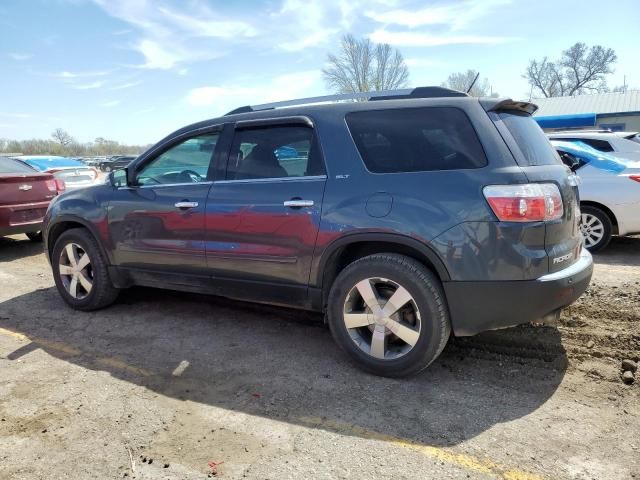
(494, 105)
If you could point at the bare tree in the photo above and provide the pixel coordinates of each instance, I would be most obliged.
(362, 66)
(580, 69)
(62, 137)
(462, 81)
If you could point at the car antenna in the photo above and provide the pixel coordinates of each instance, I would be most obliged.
(473, 83)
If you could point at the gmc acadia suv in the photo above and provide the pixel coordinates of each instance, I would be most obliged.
(404, 218)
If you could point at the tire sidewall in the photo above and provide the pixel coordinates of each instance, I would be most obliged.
(429, 299)
(606, 222)
(81, 238)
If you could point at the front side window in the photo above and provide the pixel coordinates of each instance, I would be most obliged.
(416, 139)
(186, 162)
(274, 152)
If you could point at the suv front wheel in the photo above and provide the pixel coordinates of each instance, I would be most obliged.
(388, 312)
(80, 271)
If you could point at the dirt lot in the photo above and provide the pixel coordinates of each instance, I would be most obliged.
(163, 383)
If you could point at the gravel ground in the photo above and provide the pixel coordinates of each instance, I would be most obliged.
(162, 383)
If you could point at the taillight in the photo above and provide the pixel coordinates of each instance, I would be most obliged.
(635, 177)
(60, 185)
(531, 202)
(51, 185)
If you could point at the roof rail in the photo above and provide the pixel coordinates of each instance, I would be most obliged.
(405, 93)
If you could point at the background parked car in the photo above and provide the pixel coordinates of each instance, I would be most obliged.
(622, 146)
(609, 192)
(25, 194)
(75, 174)
(116, 162)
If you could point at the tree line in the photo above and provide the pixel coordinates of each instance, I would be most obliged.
(62, 143)
(361, 66)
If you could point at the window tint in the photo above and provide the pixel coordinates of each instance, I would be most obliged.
(415, 139)
(8, 165)
(187, 162)
(274, 152)
(528, 137)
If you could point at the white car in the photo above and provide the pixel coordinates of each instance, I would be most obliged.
(74, 173)
(609, 192)
(624, 145)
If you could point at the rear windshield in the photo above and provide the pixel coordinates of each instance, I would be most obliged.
(416, 139)
(8, 165)
(527, 139)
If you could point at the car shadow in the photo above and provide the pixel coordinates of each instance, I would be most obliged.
(621, 251)
(282, 364)
(18, 246)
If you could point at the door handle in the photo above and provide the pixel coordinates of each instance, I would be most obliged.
(186, 205)
(298, 203)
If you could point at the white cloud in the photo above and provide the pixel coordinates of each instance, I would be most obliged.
(418, 39)
(20, 57)
(169, 37)
(71, 75)
(110, 103)
(282, 87)
(126, 85)
(88, 86)
(457, 15)
(422, 62)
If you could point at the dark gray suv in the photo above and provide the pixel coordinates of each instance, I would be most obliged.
(406, 217)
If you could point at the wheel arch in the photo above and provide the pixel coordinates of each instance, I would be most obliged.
(346, 250)
(68, 222)
(605, 209)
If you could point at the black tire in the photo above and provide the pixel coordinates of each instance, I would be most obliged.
(34, 236)
(103, 293)
(425, 290)
(607, 227)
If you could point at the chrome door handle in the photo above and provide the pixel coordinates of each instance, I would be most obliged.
(186, 204)
(298, 203)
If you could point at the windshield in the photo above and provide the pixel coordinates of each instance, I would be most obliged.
(528, 139)
(593, 157)
(8, 165)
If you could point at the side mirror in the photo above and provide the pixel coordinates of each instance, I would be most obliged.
(570, 161)
(119, 178)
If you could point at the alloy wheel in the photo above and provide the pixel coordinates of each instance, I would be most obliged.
(74, 268)
(592, 230)
(382, 318)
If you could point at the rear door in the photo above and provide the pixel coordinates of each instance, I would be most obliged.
(263, 219)
(541, 164)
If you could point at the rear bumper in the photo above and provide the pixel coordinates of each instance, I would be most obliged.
(12, 224)
(479, 306)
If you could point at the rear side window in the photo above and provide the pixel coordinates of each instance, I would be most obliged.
(416, 139)
(274, 152)
(8, 165)
(527, 138)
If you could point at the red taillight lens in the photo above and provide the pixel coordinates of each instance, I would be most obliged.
(635, 177)
(51, 185)
(531, 202)
(60, 185)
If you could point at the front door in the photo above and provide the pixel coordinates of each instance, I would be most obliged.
(157, 224)
(262, 220)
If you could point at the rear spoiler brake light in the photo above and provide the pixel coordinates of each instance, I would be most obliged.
(507, 104)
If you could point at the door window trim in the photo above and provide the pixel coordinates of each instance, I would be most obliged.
(307, 178)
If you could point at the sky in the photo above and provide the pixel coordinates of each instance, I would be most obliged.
(136, 70)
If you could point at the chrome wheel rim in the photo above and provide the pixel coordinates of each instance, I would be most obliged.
(382, 318)
(74, 268)
(592, 229)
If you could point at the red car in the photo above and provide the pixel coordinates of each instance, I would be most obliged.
(25, 194)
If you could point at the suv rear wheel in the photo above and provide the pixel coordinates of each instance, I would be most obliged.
(388, 312)
(80, 271)
(596, 228)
